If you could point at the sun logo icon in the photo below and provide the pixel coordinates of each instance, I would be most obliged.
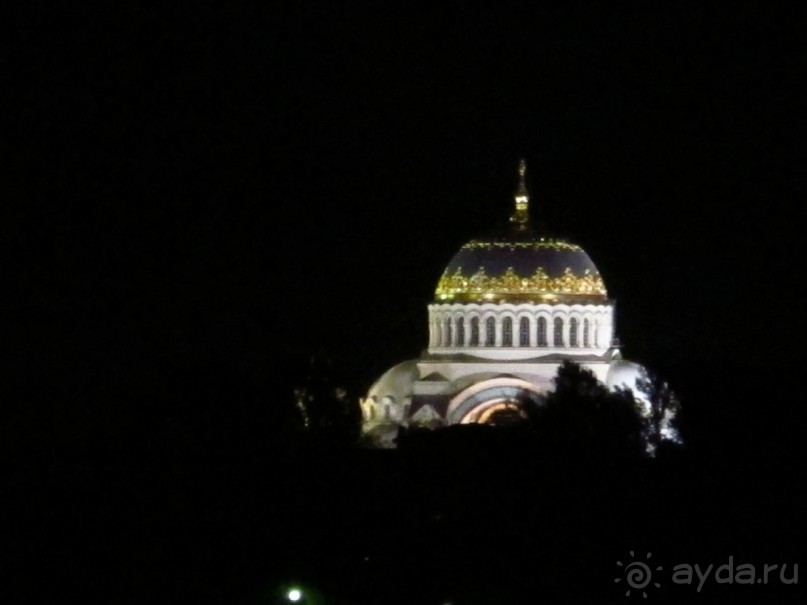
(638, 575)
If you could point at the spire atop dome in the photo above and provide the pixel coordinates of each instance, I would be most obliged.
(521, 218)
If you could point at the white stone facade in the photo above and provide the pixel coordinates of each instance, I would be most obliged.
(481, 354)
(516, 331)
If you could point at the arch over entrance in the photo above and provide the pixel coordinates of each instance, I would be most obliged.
(480, 401)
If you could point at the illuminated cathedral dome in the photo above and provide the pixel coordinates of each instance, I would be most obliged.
(509, 309)
(520, 265)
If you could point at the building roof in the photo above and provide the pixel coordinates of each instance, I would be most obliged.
(519, 263)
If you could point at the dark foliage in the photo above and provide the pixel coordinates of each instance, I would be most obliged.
(664, 404)
(327, 414)
(581, 416)
(580, 420)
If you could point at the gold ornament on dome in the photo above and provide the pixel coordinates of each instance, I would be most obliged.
(482, 287)
(539, 244)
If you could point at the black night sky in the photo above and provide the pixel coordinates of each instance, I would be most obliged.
(203, 196)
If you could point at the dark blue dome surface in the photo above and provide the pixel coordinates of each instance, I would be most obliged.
(553, 256)
(520, 267)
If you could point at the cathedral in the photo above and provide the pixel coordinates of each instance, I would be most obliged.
(507, 311)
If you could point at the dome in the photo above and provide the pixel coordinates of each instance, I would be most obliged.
(396, 382)
(519, 264)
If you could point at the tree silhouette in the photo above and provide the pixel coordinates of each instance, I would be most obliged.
(325, 410)
(662, 407)
(582, 416)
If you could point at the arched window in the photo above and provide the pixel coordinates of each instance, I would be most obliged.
(558, 332)
(448, 342)
(507, 332)
(594, 341)
(490, 332)
(573, 332)
(460, 332)
(524, 332)
(474, 332)
(542, 332)
(585, 333)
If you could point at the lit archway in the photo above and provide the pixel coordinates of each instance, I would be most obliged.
(481, 401)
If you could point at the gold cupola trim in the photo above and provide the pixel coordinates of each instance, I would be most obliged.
(511, 286)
